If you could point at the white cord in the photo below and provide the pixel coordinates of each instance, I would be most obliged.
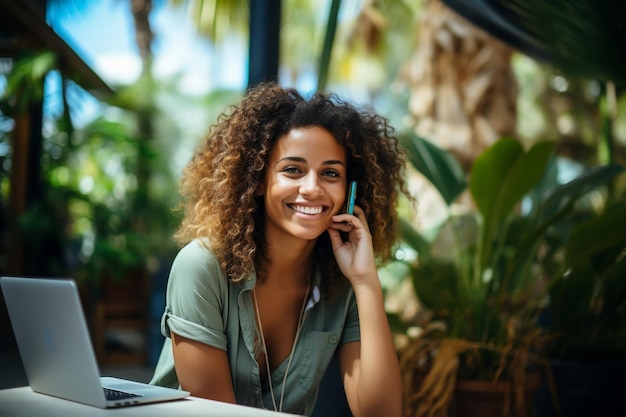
(293, 348)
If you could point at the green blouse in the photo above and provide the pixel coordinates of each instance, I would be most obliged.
(202, 305)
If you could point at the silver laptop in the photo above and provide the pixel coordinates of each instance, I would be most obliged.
(56, 350)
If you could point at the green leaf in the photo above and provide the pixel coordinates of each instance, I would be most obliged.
(502, 175)
(490, 171)
(561, 197)
(437, 165)
(556, 203)
(583, 37)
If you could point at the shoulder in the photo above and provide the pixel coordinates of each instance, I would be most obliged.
(196, 255)
(196, 266)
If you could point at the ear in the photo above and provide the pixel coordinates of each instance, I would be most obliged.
(260, 189)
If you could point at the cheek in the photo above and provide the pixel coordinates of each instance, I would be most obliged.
(277, 186)
(339, 200)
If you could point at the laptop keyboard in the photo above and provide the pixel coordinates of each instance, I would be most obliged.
(115, 395)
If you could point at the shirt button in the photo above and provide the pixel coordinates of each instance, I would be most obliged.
(332, 340)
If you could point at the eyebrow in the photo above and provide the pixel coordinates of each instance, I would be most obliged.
(303, 160)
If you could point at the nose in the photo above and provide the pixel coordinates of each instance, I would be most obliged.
(310, 186)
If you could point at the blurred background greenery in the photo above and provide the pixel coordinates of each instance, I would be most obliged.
(93, 197)
(106, 187)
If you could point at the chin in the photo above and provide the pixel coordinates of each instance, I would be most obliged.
(308, 234)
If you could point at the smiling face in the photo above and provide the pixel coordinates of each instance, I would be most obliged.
(304, 184)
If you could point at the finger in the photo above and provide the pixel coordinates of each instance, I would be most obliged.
(345, 218)
(360, 214)
(344, 226)
(348, 220)
(335, 238)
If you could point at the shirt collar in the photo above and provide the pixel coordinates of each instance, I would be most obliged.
(250, 282)
(315, 294)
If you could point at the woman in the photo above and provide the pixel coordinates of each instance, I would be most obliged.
(274, 279)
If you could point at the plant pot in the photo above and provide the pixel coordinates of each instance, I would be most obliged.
(584, 389)
(490, 399)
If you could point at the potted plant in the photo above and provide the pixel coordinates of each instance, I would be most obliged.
(586, 319)
(479, 275)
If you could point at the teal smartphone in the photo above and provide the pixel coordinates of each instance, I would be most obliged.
(351, 198)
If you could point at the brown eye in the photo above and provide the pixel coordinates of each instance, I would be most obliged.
(291, 170)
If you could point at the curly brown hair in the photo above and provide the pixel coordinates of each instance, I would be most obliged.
(218, 185)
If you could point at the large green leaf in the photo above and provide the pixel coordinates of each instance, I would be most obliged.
(582, 38)
(556, 203)
(561, 197)
(502, 175)
(490, 171)
(437, 165)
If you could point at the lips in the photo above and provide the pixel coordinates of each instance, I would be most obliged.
(307, 209)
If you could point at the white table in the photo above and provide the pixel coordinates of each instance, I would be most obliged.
(23, 402)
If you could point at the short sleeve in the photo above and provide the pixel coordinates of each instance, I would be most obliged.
(351, 330)
(195, 298)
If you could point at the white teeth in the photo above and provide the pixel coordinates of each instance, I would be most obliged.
(308, 210)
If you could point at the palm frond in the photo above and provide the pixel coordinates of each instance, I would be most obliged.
(582, 38)
(585, 37)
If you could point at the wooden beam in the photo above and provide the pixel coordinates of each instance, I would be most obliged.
(27, 28)
(17, 199)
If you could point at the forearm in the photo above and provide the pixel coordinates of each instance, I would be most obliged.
(378, 386)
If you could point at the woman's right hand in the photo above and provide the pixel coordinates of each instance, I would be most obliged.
(355, 256)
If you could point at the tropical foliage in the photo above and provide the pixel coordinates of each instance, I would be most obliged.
(86, 218)
(582, 41)
(587, 311)
(582, 38)
(483, 274)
